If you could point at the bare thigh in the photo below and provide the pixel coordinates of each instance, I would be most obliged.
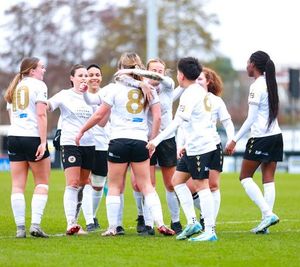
(141, 171)
(19, 173)
(248, 168)
(116, 177)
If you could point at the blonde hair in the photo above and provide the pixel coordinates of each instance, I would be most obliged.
(131, 60)
(215, 84)
(27, 64)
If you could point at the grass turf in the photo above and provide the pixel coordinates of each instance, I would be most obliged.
(236, 245)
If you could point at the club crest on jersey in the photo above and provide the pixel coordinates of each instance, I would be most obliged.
(72, 159)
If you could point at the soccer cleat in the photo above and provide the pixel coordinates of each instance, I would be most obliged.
(110, 232)
(96, 223)
(36, 231)
(140, 226)
(91, 227)
(265, 231)
(73, 229)
(21, 232)
(204, 237)
(120, 230)
(148, 230)
(177, 227)
(165, 230)
(266, 223)
(189, 230)
(81, 231)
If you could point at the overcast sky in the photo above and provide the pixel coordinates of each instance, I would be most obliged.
(247, 26)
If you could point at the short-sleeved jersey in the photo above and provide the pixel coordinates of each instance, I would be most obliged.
(165, 94)
(128, 117)
(101, 134)
(74, 114)
(28, 92)
(219, 112)
(195, 110)
(258, 95)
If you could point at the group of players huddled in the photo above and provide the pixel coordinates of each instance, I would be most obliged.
(129, 124)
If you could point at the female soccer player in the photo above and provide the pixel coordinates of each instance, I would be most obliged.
(165, 153)
(27, 143)
(77, 160)
(212, 83)
(265, 146)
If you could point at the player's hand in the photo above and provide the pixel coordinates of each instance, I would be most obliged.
(180, 152)
(83, 87)
(151, 148)
(78, 137)
(147, 91)
(230, 147)
(40, 151)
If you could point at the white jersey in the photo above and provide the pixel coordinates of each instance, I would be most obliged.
(101, 134)
(194, 108)
(258, 95)
(74, 114)
(128, 116)
(28, 92)
(219, 112)
(165, 94)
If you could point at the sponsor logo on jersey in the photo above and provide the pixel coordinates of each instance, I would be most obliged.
(181, 108)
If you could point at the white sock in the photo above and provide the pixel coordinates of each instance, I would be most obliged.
(70, 203)
(38, 204)
(120, 215)
(152, 202)
(87, 204)
(217, 202)
(256, 195)
(18, 207)
(79, 202)
(269, 194)
(196, 201)
(138, 196)
(186, 201)
(97, 196)
(207, 207)
(173, 205)
(147, 215)
(113, 205)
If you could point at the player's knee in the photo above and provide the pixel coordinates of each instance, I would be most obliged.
(98, 181)
(41, 189)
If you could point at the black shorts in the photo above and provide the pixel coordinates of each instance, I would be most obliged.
(123, 150)
(217, 159)
(197, 166)
(100, 163)
(23, 148)
(265, 149)
(165, 154)
(77, 156)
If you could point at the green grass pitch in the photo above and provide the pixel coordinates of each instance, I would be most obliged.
(236, 245)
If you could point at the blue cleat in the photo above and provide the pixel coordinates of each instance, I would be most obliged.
(204, 237)
(265, 231)
(189, 230)
(266, 223)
